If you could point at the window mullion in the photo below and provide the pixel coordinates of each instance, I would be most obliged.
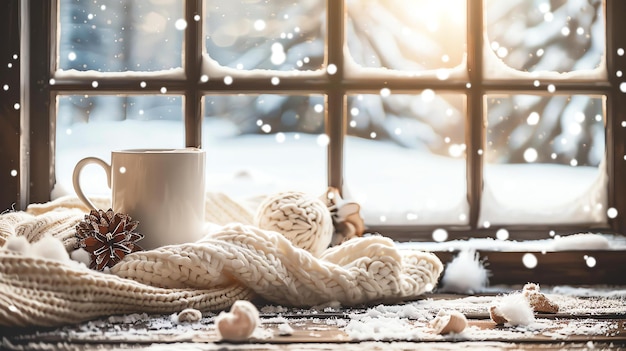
(193, 62)
(616, 113)
(43, 24)
(14, 175)
(335, 94)
(475, 118)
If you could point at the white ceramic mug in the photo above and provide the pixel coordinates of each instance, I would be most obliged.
(163, 189)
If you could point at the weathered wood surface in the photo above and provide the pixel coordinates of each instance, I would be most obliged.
(325, 329)
(553, 268)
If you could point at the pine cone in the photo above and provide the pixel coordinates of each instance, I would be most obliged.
(108, 237)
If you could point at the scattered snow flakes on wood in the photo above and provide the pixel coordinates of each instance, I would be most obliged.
(579, 318)
(384, 328)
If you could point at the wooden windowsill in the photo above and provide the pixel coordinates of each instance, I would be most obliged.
(324, 329)
(553, 268)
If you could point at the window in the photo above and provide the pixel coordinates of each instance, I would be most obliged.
(464, 115)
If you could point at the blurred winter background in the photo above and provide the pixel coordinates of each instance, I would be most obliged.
(405, 153)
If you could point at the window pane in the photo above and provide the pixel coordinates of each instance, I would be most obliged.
(545, 160)
(413, 35)
(405, 158)
(264, 144)
(97, 125)
(544, 36)
(120, 35)
(281, 35)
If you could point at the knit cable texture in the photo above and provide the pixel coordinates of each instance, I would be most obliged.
(235, 261)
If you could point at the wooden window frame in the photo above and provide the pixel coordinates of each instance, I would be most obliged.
(31, 150)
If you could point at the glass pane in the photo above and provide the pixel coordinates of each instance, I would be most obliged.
(281, 35)
(545, 160)
(120, 35)
(96, 125)
(411, 35)
(264, 144)
(405, 158)
(544, 36)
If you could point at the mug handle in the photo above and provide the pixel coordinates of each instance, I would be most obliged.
(76, 177)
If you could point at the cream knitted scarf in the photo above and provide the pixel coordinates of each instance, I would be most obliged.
(236, 260)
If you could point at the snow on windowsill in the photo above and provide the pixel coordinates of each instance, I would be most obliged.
(212, 68)
(354, 70)
(496, 69)
(174, 73)
(574, 242)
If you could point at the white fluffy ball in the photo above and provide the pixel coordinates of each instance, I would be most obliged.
(50, 248)
(516, 309)
(465, 274)
(18, 244)
(304, 220)
(47, 247)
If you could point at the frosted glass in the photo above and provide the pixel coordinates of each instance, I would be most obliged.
(407, 35)
(120, 35)
(547, 37)
(264, 144)
(544, 160)
(405, 158)
(282, 35)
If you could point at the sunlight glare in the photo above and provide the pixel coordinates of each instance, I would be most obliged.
(439, 11)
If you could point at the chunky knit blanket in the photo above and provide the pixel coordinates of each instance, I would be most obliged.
(235, 260)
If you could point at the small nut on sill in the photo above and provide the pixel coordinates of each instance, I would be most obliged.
(538, 301)
(448, 322)
(189, 315)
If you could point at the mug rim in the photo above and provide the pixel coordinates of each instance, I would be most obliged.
(159, 151)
